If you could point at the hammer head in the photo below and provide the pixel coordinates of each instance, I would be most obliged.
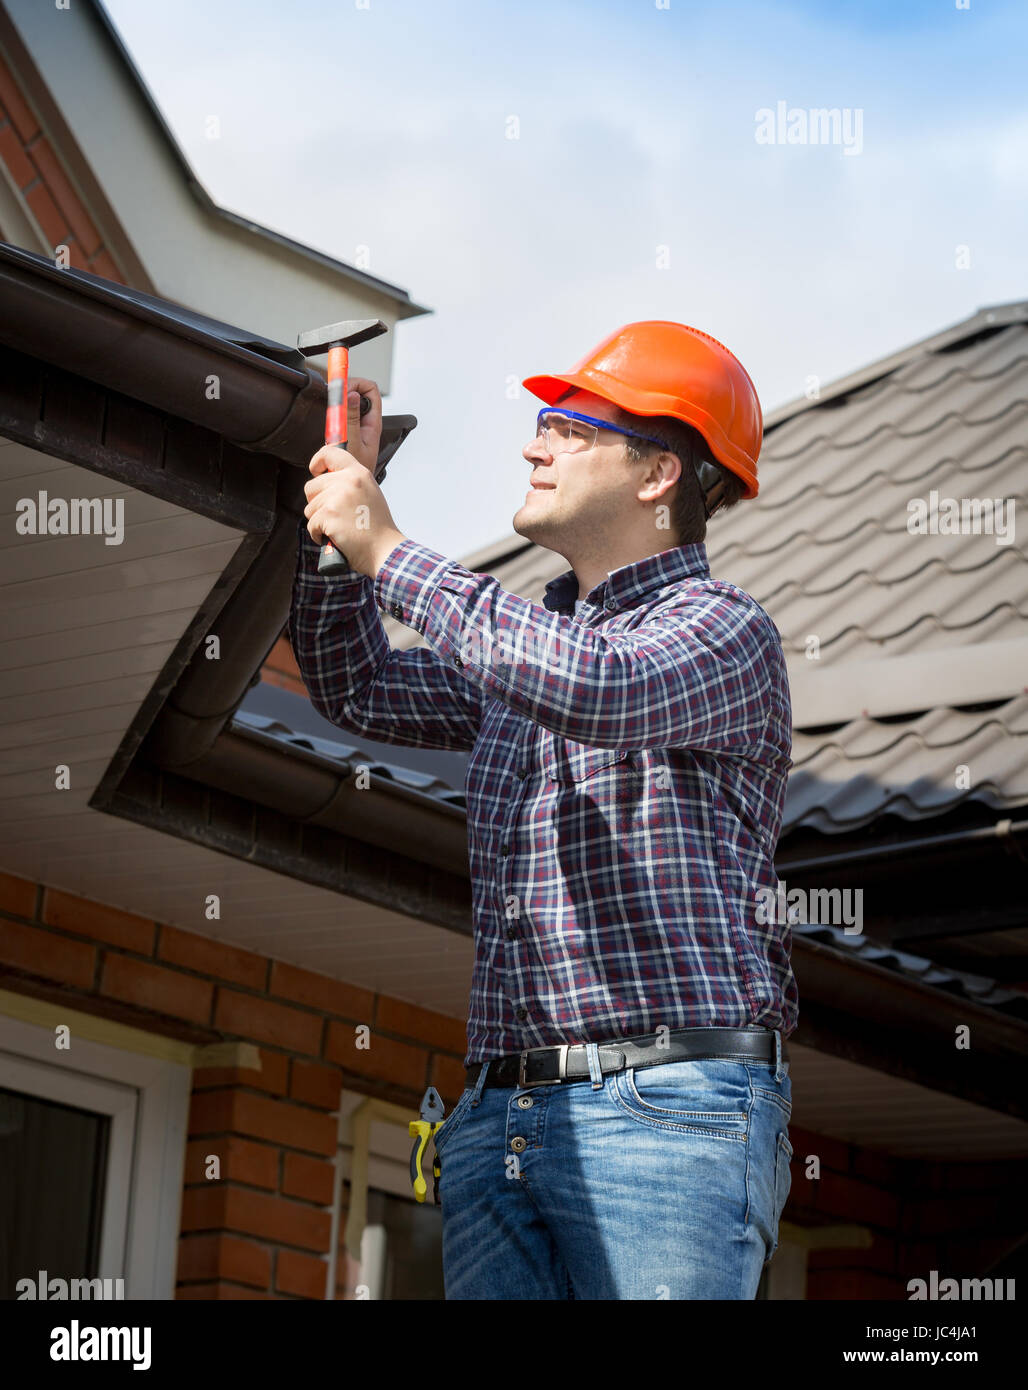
(347, 333)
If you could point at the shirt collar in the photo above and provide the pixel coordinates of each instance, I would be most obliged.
(624, 587)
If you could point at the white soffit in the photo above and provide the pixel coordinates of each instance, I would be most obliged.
(86, 629)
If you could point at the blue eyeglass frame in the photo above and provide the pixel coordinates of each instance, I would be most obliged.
(712, 486)
(591, 420)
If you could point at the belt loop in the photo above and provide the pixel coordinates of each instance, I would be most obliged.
(779, 1072)
(479, 1084)
(592, 1052)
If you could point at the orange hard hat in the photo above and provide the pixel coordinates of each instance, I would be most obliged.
(661, 368)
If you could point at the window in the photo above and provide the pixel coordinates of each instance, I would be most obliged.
(92, 1149)
(54, 1161)
(402, 1249)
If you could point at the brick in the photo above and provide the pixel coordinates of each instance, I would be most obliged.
(242, 1160)
(217, 1292)
(310, 1179)
(15, 105)
(283, 682)
(321, 992)
(250, 1017)
(303, 1275)
(209, 957)
(103, 264)
(851, 1199)
(880, 1168)
(385, 1059)
(14, 157)
(273, 1075)
(224, 1257)
(51, 220)
(257, 1214)
(152, 987)
(281, 661)
(923, 1176)
(424, 1026)
(17, 895)
(76, 256)
(260, 1117)
(315, 1084)
(45, 953)
(64, 195)
(982, 1212)
(446, 1074)
(98, 921)
(833, 1153)
(983, 1177)
(880, 1256)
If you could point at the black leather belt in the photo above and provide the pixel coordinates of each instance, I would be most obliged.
(546, 1066)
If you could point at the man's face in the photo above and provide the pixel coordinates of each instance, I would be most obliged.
(575, 496)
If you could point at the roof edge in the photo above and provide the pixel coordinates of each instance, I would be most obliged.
(991, 317)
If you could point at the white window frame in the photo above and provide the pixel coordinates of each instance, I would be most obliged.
(147, 1101)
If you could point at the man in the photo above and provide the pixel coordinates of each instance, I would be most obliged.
(624, 1128)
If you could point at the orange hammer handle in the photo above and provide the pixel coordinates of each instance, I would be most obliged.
(330, 561)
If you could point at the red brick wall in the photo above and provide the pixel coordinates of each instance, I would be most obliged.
(280, 668)
(263, 1230)
(44, 186)
(956, 1218)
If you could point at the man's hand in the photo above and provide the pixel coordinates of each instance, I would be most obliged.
(363, 437)
(346, 506)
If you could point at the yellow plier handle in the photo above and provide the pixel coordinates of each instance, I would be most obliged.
(422, 1131)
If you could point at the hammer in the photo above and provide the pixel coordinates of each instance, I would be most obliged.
(337, 339)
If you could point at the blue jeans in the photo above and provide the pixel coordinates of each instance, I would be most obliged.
(663, 1182)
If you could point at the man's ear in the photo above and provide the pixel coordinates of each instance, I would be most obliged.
(676, 457)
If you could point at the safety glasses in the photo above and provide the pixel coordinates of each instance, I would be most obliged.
(568, 432)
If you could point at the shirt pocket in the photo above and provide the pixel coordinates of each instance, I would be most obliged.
(567, 762)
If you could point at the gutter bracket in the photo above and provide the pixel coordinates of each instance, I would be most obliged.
(1004, 832)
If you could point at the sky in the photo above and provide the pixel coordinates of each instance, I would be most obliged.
(540, 173)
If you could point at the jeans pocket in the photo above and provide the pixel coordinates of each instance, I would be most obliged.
(778, 1092)
(453, 1120)
(783, 1184)
(704, 1097)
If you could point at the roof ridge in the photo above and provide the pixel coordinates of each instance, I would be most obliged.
(990, 318)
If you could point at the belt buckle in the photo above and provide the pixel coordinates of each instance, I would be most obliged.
(562, 1067)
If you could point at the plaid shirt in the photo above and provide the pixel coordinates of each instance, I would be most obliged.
(624, 791)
